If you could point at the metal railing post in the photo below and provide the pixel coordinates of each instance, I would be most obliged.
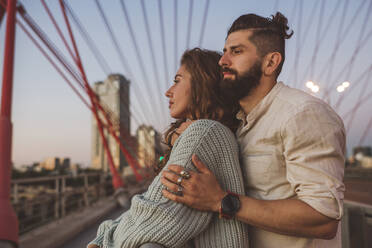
(15, 193)
(86, 190)
(63, 196)
(57, 200)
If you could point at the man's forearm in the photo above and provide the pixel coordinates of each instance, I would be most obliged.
(290, 217)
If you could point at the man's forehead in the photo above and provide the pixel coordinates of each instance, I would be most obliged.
(236, 38)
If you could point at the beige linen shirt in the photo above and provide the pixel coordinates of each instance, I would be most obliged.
(292, 146)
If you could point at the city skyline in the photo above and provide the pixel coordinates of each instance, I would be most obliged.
(49, 120)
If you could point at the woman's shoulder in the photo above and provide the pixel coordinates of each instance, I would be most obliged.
(207, 127)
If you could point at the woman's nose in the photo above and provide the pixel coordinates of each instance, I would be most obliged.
(168, 93)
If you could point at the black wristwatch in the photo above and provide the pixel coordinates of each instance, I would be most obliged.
(230, 204)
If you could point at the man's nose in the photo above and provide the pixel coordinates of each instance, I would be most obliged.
(224, 61)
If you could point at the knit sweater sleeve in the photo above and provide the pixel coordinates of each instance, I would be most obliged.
(154, 218)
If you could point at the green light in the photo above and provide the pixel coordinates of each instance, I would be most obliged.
(161, 158)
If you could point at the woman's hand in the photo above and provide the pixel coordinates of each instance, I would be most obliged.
(201, 191)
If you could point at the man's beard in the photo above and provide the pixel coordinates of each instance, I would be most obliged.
(242, 85)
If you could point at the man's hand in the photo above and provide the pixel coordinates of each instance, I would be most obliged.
(93, 246)
(289, 216)
(200, 191)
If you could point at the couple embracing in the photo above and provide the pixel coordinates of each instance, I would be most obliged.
(251, 162)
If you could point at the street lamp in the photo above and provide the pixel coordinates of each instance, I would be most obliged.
(312, 86)
(343, 86)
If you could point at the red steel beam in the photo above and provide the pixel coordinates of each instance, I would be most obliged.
(9, 222)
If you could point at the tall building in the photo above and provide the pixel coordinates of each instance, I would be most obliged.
(113, 94)
(149, 146)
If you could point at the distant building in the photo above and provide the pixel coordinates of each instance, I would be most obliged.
(53, 163)
(149, 146)
(113, 94)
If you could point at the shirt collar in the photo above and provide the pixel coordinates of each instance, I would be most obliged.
(261, 107)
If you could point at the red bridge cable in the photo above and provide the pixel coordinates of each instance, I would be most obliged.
(54, 65)
(51, 61)
(47, 42)
(130, 159)
(52, 48)
(99, 57)
(58, 29)
(117, 181)
(116, 178)
(49, 45)
(89, 41)
(40, 34)
(95, 50)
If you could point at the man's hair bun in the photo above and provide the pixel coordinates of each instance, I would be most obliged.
(281, 22)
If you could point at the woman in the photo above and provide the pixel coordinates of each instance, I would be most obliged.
(194, 101)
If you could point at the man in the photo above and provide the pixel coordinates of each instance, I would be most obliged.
(292, 148)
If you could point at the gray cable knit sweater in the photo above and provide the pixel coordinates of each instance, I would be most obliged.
(153, 218)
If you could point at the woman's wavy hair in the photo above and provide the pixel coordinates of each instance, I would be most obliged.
(207, 102)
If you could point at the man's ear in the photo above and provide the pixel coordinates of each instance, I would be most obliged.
(271, 63)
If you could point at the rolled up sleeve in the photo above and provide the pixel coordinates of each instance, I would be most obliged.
(314, 151)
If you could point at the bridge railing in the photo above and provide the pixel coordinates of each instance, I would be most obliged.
(357, 225)
(40, 200)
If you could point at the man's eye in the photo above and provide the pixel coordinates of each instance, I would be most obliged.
(176, 81)
(237, 51)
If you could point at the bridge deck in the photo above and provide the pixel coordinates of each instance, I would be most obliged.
(82, 239)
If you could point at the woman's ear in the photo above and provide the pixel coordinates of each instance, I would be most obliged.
(271, 63)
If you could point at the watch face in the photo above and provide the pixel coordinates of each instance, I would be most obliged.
(230, 204)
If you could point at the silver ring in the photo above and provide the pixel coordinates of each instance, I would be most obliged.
(179, 189)
(179, 180)
(185, 174)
